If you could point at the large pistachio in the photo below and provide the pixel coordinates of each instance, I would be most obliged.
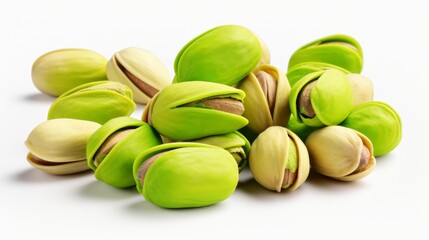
(340, 50)
(58, 146)
(224, 54)
(58, 71)
(363, 89)
(379, 122)
(295, 73)
(112, 149)
(266, 103)
(322, 98)
(340, 153)
(140, 70)
(97, 101)
(279, 159)
(185, 175)
(234, 142)
(196, 109)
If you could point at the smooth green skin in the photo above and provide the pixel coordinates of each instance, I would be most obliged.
(177, 122)
(379, 122)
(225, 54)
(339, 55)
(299, 71)
(116, 169)
(58, 71)
(300, 129)
(331, 98)
(229, 141)
(96, 101)
(188, 175)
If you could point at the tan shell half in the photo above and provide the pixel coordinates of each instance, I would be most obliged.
(335, 152)
(363, 88)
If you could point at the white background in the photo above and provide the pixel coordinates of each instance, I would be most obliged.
(391, 202)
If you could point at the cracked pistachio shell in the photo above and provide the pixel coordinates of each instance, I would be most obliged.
(267, 98)
(224, 54)
(140, 70)
(279, 159)
(234, 142)
(58, 71)
(331, 98)
(185, 175)
(97, 101)
(379, 122)
(340, 50)
(58, 146)
(336, 151)
(112, 149)
(300, 70)
(363, 88)
(179, 111)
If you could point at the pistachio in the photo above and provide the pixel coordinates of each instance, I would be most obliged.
(363, 88)
(279, 159)
(340, 153)
(112, 149)
(97, 101)
(224, 54)
(321, 98)
(298, 71)
(340, 50)
(379, 122)
(58, 146)
(195, 109)
(266, 103)
(58, 71)
(140, 70)
(185, 175)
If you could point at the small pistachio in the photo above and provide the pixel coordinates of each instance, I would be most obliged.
(112, 149)
(185, 175)
(224, 54)
(279, 159)
(266, 103)
(379, 122)
(340, 153)
(321, 98)
(58, 71)
(140, 70)
(340, 50)
(195, 109)
(58, 146)
(97, 101)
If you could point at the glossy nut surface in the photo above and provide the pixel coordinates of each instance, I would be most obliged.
(58, 146)
(185, 175)
(140, 70)
(97, 101)
(58, 71)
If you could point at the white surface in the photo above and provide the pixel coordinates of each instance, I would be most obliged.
(391, 202)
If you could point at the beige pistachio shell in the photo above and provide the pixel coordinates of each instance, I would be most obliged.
(140, 70)
(363, 88)
(257, 104)
(269, 156)
(58, 146)
(335, 151)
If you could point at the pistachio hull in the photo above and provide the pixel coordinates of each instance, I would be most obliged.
(224, 54)
(340, 50)
(140, 70)
(298, 71)
(379, 122)
(186, 175)
(176, 113)
(97, 101)
(56, 72)
(116, 166)
(58, 146)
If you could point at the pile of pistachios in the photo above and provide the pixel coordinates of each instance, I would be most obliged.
(226, 109)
